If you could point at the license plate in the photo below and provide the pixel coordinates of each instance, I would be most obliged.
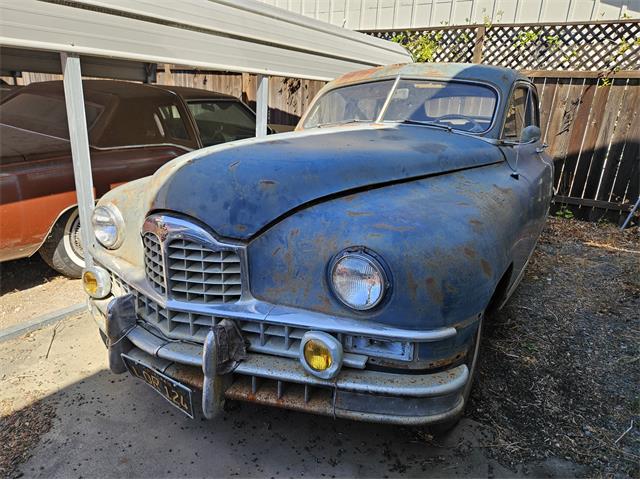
(175, 393)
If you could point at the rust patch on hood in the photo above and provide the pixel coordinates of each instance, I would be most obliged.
(435, 291)
(486, 267)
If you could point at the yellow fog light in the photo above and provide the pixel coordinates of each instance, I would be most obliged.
(317, 355)
(321, 354)
(90, 282)
(96, 282)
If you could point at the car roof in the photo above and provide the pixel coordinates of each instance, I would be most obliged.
(126, 90)
(501, 77)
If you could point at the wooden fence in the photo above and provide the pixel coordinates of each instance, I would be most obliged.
(587, 78)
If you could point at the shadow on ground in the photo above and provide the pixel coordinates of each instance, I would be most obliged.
(114, 426)
(17, 275)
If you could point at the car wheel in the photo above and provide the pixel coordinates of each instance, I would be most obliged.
(62, 249)
(440, 429)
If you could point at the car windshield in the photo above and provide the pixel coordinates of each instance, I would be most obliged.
(457, 105)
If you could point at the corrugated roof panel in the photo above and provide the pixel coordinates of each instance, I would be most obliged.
(236, 36)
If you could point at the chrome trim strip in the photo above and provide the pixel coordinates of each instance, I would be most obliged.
(290, 370)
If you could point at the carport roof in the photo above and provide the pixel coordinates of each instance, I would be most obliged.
(230, 35)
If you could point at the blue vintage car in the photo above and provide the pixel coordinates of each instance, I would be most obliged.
(344, 269)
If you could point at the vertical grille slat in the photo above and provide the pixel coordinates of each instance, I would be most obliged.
(153, 265)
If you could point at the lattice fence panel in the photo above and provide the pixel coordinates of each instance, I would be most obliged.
(599, 46)
(451, 44)
(584, 47)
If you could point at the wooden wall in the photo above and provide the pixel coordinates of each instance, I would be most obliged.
(593, 132)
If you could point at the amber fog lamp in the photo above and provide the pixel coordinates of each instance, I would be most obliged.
(96, 282)
(321, 354)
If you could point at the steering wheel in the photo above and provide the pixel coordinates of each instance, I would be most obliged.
(451, 116)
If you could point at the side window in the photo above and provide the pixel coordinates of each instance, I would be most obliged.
(174, 126)
(521, 113)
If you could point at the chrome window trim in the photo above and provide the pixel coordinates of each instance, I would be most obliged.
(531, 86)
(168, 228)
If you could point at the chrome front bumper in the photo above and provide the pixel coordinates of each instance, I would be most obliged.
(362, 394)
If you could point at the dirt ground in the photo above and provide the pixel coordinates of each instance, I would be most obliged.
(556, 395)
(560, 369)
(30, 288)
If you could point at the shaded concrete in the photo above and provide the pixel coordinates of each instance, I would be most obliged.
(115, 426)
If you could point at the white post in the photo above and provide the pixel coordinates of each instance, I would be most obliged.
(262, 105)
(79, 139)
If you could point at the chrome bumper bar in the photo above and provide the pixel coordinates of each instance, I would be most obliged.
(410, 399)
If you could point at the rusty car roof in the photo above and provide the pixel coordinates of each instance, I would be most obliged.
(499, 76)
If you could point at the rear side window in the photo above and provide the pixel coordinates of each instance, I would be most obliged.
(173, 123)
(221, 121)
(43, 114)
(142, 121)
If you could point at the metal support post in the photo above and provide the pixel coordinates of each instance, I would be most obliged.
(262, 105)
(79, 139)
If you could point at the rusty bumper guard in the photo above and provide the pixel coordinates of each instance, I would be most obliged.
(409, 399)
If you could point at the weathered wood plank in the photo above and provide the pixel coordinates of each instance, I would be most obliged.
(603, 142)
(559, 125)
(578, 133)
(625, 184)
(592, 128)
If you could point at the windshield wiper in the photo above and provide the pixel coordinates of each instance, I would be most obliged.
(427, 124)
(355, 120)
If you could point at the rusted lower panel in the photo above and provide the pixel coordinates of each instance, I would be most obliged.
(292, 398)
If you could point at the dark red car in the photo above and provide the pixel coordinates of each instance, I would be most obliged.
(133, 130)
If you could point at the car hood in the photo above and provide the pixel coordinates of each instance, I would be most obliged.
(241, 189)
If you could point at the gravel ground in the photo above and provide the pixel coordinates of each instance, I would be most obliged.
(560, 366)
(30, 288)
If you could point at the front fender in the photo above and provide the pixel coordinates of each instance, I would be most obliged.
(447, 241)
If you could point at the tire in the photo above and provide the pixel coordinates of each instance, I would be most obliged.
(62, 250)
(440, 429)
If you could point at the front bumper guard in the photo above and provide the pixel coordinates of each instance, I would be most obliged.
(410, 399)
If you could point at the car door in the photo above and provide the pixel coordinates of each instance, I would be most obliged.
(532, 170)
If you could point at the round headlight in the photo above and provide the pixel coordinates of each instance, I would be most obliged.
(358, 280)
(108, 226)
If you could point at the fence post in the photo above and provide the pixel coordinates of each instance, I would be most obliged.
(479, 44)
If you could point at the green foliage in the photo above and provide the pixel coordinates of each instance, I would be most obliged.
(553, 41)
(423, 48)
(605, 82)
(564, 212)
(523, 39)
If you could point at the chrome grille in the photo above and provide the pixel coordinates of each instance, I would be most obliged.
(173, 324)
(153, 262)
(198, 274)
(263, 337)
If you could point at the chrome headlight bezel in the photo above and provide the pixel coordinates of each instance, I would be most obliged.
(115, 220)
(375, 261)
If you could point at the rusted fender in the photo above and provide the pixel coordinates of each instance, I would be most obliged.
(447, 240)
